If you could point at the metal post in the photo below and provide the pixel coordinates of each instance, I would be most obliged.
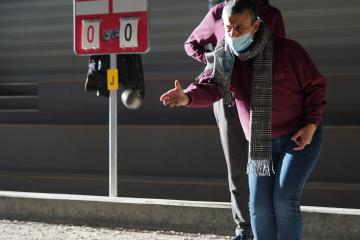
(113, 136)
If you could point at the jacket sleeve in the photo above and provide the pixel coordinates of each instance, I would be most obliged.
(313, 84)
(200, 37)
(204, 92)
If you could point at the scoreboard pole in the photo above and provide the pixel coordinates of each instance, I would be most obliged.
(113, 128)
(103, 27)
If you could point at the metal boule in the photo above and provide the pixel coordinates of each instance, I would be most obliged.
(131, 99)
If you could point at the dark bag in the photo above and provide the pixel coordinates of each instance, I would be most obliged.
(131, 75)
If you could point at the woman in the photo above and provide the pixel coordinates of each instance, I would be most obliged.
(235, 146)
(280, 98)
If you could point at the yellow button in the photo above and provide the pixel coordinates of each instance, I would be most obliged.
(112, 79)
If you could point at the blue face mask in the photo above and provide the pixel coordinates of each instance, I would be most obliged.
(239, 44)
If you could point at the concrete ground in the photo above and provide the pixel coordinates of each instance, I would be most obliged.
(19, 230)
(105, 216)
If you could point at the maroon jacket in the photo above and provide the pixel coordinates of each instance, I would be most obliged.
(298, 88)
(211, 29)
(298, 94)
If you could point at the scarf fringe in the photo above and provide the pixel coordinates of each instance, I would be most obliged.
(259, 167)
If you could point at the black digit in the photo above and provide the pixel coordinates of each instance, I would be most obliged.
(128, 32)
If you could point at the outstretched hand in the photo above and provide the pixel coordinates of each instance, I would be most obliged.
(175, 97)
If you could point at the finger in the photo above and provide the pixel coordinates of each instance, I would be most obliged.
(299, 148)
(167, 102)
(164, 96)
(296, 135)
(164, 103)
(301, 144)
(298, 141)
(172, 103)
(178, 85)
(167, 95)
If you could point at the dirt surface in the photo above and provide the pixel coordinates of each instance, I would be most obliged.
(18, 230)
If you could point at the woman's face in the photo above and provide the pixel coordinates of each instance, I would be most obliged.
(239, 24)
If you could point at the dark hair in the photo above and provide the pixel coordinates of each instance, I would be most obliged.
(240, 6)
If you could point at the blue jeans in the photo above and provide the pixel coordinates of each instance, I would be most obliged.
(275, 200)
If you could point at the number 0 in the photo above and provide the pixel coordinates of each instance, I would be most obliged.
(128, 37)
(128, 32)
(90, 33)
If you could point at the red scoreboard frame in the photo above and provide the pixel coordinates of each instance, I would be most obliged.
(111, 26)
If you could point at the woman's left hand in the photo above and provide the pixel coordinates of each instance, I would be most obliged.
(304, 136)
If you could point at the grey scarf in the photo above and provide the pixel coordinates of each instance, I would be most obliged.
(221, 61)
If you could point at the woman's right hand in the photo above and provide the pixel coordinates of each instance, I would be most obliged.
(175, 97)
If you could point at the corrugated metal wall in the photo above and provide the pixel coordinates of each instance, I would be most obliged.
(41, 83)
(36, 47)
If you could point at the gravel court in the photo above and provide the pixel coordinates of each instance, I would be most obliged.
(19, 230)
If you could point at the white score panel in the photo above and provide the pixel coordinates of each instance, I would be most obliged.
(129, 32)
(91, 34)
